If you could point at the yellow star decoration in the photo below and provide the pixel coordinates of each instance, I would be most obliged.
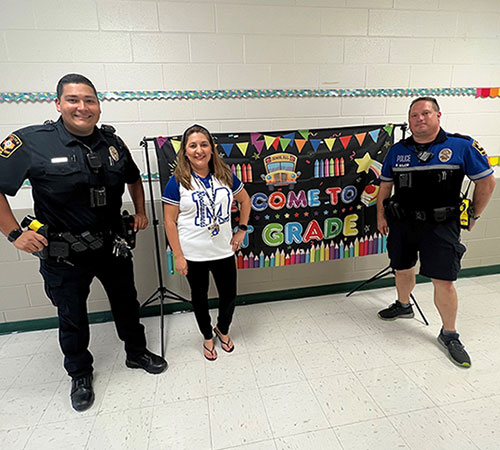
(364, 163)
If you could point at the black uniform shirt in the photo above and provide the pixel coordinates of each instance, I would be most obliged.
(56, 164)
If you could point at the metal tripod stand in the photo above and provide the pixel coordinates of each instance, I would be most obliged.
(161, 293)
(384, 272)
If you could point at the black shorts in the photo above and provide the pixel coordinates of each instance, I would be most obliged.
(437, 245)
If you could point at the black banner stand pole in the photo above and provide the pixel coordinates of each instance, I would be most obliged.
(161, 291)
(389, 270)
(384, 272)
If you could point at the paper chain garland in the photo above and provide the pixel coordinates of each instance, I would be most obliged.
(17, 97)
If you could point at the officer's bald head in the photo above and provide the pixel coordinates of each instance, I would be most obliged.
(73, 78)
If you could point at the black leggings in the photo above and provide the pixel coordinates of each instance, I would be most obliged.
(224, 274)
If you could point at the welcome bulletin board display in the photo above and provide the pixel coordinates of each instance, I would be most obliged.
(313, 192)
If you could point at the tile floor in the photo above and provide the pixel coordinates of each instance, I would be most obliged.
(315, 373)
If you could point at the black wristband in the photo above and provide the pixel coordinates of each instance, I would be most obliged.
(243, 227)
(14, 234)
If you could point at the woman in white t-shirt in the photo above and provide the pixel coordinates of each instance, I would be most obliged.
(197, 216)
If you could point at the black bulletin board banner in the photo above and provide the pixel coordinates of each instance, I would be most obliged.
(313, 191)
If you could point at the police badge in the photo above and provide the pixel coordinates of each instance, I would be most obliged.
(114, 153)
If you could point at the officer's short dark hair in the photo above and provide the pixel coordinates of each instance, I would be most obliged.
(434, 102)
(73, 78)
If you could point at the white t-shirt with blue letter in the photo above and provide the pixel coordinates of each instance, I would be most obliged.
(196, 210)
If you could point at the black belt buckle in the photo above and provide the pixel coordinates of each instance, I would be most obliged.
(444, 213)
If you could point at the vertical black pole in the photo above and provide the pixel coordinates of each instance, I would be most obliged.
(161, 288)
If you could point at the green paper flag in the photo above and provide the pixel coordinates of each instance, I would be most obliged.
(284, 143)
(389, 128)
(304, 134)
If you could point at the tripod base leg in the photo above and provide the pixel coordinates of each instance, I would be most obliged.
(384, 272)
(419, 310)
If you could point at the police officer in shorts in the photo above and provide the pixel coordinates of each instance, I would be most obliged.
(422, 217)
(78, 174)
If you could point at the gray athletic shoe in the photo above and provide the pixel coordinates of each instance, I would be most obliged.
(456, 350)
(396, 311)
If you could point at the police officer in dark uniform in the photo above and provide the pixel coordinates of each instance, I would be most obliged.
(427, 170)
(78, 173)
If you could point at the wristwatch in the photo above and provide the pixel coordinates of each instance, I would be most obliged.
(14, 234)
(243, 227)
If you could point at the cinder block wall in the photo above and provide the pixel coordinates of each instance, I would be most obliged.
(253, 44)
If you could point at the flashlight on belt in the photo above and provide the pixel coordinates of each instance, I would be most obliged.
(33, 224)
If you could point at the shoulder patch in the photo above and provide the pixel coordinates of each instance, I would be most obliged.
(9, 145)
(480, 149)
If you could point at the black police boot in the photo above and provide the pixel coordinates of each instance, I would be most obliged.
(82, 393)
(148, 361)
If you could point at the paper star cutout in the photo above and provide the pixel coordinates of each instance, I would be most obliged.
(277, 216)
(287, 216)
(256, 156)
(316, 213)
(266, 217)
(364, 163)
(359, 206)
(296, 214)
(257, 217)
(306, 214)
(325, 212)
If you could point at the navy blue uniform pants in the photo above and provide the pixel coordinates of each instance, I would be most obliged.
(68, 288)
(224, 274)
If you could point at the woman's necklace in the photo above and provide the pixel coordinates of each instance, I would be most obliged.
(214, 227)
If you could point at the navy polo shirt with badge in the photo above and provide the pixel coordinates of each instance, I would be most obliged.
(56, 164)
(437, 182)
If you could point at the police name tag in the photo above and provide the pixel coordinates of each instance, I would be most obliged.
(61, 160)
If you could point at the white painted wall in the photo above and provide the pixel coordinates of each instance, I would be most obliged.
(250, 44)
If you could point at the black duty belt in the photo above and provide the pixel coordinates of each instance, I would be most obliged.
(394, 210)
(63, 244)
(434, 215)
